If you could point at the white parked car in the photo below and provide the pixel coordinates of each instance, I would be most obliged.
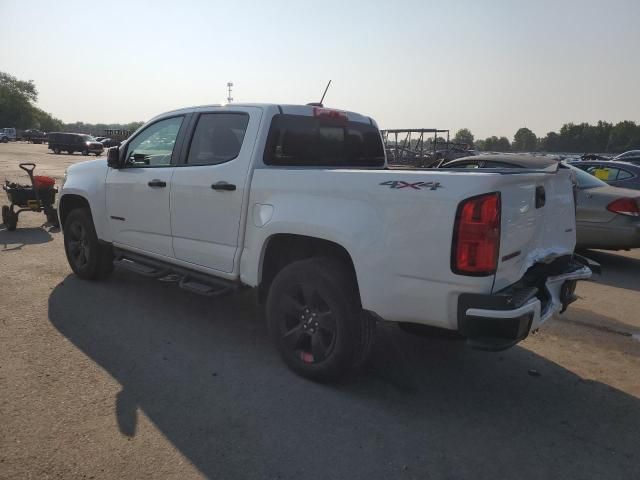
(297, 202)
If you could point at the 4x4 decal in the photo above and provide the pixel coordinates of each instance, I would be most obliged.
(397, 184)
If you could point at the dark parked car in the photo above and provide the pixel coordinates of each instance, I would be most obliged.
(74, 142)
(110, 142)
(632, 156)
(34, 136)
(607, 217)
(618, 174)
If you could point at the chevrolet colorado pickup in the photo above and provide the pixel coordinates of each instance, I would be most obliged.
(298, 202)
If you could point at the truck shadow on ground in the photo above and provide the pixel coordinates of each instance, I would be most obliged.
(22, 236)
(206, 375)
(617, 270)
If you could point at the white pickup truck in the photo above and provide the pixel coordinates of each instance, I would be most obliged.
(298, 202)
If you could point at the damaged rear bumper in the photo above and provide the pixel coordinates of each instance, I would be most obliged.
(500, 320)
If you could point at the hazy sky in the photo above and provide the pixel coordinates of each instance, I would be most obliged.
(491, 66)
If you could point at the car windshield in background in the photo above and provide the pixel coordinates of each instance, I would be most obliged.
(298, 140)
(627, 155)
(586, 180)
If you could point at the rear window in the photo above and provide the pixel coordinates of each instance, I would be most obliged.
(299, 140)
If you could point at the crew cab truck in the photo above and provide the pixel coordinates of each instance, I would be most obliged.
(297, 201)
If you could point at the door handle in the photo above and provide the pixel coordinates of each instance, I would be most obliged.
(157, 183)
(224, 186)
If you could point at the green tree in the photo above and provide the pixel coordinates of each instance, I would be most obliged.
(15, 101)
(464, 135)
(495, 144)
(46, 122)
(26, 89)
(524, 140)
(503, 145)
(16, 105)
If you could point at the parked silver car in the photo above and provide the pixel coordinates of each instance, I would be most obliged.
(632, 156)
(607, 217)
(617, 174)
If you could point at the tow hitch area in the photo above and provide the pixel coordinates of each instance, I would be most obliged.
(500, 320)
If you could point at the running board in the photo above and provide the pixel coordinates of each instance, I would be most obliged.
(201, 288)
(191, 281)
(140, 268)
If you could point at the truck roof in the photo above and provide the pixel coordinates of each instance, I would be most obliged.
(292, 109)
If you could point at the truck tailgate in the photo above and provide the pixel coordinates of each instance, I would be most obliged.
(538, 222)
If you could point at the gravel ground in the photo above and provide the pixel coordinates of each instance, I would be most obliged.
(134, 378)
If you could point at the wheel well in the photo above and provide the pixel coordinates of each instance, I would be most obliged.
(283, 249)
(71, 202)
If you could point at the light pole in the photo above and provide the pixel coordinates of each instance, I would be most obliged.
(229, 98)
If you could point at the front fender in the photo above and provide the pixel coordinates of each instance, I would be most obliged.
(87, 180)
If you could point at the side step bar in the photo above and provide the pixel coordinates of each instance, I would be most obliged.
(191, 281)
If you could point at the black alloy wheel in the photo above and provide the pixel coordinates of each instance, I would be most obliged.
(87, 257)
(306, 323)
(78, 244)
(316, 321)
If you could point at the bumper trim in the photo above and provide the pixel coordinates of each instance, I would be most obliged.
(499, 321)
(532, 306)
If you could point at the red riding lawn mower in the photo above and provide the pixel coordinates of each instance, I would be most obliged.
(40, 196)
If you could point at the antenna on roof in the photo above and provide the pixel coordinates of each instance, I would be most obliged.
(325, 91)
(319, 104)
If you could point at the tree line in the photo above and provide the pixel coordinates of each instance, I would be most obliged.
(18, 110)
(603, 137)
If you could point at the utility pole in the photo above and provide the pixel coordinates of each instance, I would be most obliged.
(229, 98)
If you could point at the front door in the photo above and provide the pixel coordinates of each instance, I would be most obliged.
(208, 189)
(138, 194)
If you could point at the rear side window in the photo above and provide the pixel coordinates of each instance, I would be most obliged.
(217, 138)
(623, 175)
(299, 140)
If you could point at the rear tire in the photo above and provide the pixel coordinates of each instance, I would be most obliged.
(70, 152)
(56, 151)
(315, 319)
(9, 218)
(85, 152)
(87, 257)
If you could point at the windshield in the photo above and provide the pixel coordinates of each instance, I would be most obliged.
(586, 180)
(629, 154)
(88, 138)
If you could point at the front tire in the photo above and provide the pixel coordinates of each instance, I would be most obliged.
(87, 257)
(56, 151)
(85, 152)
(315, 319)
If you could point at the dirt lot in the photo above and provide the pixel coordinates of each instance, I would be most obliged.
(134, 378)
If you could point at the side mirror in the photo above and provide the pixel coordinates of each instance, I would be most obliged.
(113, 157)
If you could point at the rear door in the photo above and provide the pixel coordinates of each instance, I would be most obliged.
(138, 194)
(209, 186)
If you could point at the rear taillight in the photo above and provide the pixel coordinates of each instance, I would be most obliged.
(625, 206)
(476, 236)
